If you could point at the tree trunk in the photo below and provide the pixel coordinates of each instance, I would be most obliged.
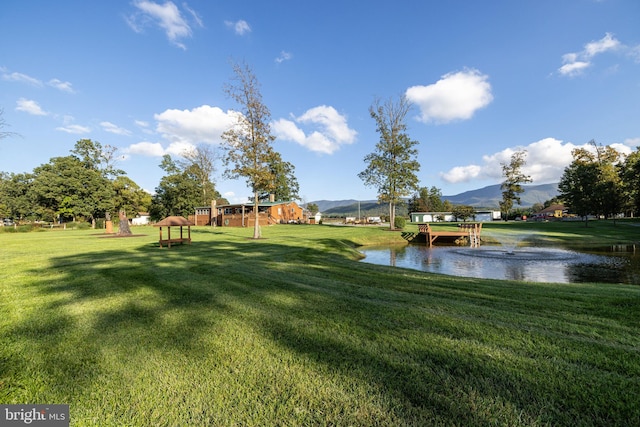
(392, 216)
(124, 229)
(256, 225)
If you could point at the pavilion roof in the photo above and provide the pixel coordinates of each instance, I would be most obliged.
(173, 221)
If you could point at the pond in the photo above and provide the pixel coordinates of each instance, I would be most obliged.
(610, 264)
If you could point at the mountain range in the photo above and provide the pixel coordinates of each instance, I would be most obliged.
(487, 197)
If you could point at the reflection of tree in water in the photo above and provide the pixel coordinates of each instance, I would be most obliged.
(607, 272)
(514, 271)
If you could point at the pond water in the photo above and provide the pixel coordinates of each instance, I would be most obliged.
(610, 264)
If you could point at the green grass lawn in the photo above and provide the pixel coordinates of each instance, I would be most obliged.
(291, 330)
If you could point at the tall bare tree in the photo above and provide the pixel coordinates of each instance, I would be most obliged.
(249, 149)
(392, 167)
(3, 124)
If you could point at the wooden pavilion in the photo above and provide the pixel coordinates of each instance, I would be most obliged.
(174, 221)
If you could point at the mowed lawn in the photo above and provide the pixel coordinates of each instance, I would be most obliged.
(292, 330)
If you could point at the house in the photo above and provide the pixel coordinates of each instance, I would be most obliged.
(242, 215)
(480, 216)
(556, 211)
(203, 216)
(142, 218)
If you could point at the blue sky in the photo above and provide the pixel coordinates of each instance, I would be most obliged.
(486, 78)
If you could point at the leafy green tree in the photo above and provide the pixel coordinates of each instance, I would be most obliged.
(71, 190)
(629, 173)
(392, 167)
(129, 197)
(285, 185)
(15, 200)
(81, 186)
(590, 184)
(609, 186)
(463, 212)
(427, 200)
(249, 151)
(313, 208)
(577, 186)
(537, 207)
(178, 193)
(513, 178)
(95, 156)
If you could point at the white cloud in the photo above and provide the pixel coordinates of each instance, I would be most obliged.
(194, 15)
(144, 126)
(178, 148)
(632, 142)
(240, 27)
(204, 124)
(623, 149)
(573, 68)
(608, 42)
(576, 62)
(284, 56)
(31, 107)
(151, 149)
(74, 129)
(287, 129)
(59, 84)
(24, 78)
(332, 130)
(167, 16)
(456, 96)
(462, 173)
(545, 162)
(21, 78)
(634, 53)
(233, 198)
(184, 130)
(111, 128)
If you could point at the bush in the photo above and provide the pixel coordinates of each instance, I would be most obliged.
(17, 229)
(399, 222)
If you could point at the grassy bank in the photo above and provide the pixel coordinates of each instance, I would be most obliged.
(291, 330)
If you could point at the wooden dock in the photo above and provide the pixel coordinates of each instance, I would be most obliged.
(471, 231)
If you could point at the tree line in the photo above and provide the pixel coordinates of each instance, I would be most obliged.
(82, 186)
(86, 185)
(601, 182)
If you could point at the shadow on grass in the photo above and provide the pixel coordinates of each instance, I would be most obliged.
(437, 350)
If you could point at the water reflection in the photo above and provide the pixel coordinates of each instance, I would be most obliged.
(616, 264)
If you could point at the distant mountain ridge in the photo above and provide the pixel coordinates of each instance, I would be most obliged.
(487, 197)
(490, 196)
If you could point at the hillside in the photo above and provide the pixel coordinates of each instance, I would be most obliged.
(486, 197)
(490, 197)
